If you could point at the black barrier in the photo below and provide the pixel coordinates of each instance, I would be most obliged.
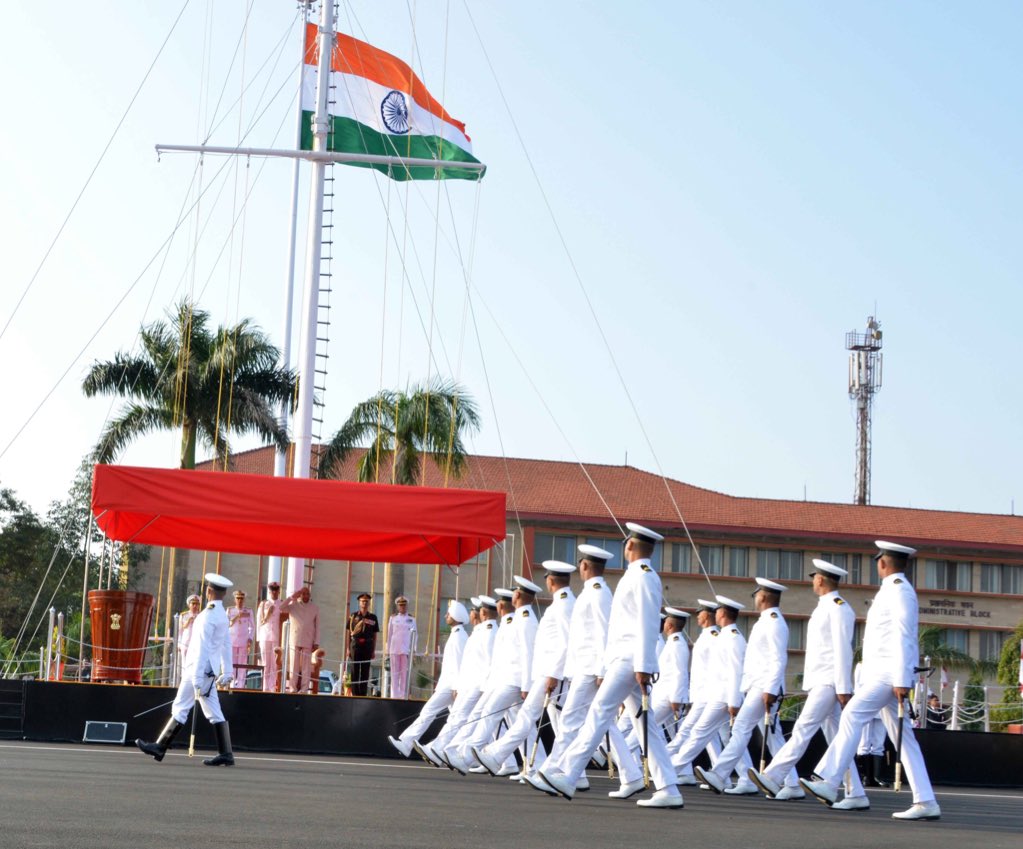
(350, 725)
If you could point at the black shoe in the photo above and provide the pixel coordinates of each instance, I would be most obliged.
(877, 765)
(158, 749)
(226, 756)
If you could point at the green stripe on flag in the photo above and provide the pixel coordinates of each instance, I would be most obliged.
(349, 136)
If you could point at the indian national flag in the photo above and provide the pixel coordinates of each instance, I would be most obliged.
(379, 106)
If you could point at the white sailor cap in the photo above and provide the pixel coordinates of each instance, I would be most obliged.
(892, 548)
(191, 598)
(595, 553)
(501, 592)
(218, 581)
(725, 601)
(674, 611)
(764, 584)
(474, 600)
(526, 584)
(457, 611)
(828, 569)
(557, 567)
(643, 534)
(709, 606)
(487, 601)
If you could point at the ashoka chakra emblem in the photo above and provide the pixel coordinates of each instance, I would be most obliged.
(394, 111)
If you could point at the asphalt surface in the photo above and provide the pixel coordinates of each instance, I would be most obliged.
(105, 796)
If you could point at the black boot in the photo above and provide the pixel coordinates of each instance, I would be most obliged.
(159, 748)
(879, 776)
(226, 756)
(863, 770)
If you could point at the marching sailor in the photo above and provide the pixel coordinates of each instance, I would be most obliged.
(444, 692)
(207, 665)
(762, 685)
(630, 662)
(550, 646)
(472, 677)
(890, 653)
(827, 678)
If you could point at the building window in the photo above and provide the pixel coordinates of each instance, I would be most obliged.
(797, 634)
(554, 547)
(780, 565)
(1000, 578)
(956, 638)
(680, 557)
(738, 562)
(713, 558)
(947, 575)
(991, 643)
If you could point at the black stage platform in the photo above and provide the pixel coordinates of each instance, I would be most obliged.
(334, 725)
(97, 797)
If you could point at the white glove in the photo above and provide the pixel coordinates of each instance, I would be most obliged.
(225, 680)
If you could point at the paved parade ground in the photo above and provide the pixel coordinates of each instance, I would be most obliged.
(73, 796)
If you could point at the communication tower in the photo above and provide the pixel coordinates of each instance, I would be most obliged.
(865, 360)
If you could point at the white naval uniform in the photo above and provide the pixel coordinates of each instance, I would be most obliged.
(584, 664)
(632, 633)
(723, 691)
(401, 644)
(701, 678)
(208, 658)
(763, 671)
(444, 691)
(185, 630)
(242, 630)
(514, 679)
(304, 618)
(503, 644)
(549, 648)
(890, 652)
(472, 677)
(873, 735)
(268, 635)
(827, 671)
(673, 685)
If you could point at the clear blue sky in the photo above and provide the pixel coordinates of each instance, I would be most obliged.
(738, 186)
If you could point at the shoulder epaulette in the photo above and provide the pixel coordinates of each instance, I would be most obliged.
(897, 581)
(714, 633)
(525, 612)
(774, 615)
(838, 600)
(490, 625)
(733, 630)
(675, 637)
(209, 606)
(646, 567)
(563, 594)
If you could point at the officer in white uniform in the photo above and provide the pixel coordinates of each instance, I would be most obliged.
(185, 623)
(890, 653)
(549, 650)
(763, 684)
(207, 664)
(444, 691)
(630, 662)
(671, 691)
(584, 665)
(242, 628)
(827, 678)
(702, 679)
(401, 645)
(472, 677)
(514, 680)
(268, 635)
(724, 693)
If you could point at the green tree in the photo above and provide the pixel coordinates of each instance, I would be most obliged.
(400, 432)
(207, 383)
(204, 382)
(1011, 708)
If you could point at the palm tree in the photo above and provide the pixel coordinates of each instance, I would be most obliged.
(400, 431)
(207, 383)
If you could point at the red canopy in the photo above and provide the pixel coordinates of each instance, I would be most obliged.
(332, 520)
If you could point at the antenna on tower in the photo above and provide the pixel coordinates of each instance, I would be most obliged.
(865, 360)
